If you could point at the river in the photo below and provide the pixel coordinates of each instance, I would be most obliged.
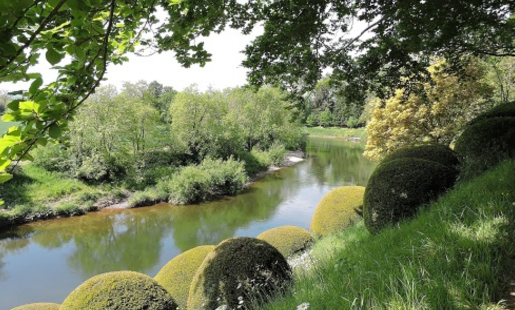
(46, 260)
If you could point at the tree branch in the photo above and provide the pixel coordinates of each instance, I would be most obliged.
(35, 34)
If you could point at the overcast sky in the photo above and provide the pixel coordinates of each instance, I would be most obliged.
(223, 71)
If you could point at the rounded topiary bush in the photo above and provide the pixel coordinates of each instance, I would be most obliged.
(38, 306)
(177, 274)
(238, 272)
(289, 240)
(485, 143)
(119, 290)
(502, 110)
(397, 189)
(435, 152)
(337, 210)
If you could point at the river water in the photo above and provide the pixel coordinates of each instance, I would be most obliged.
(45, 261)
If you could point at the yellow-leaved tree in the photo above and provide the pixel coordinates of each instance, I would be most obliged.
(435, 116)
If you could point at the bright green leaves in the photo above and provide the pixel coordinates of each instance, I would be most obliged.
(53, 57)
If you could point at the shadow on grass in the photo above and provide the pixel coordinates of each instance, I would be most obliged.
(16, 192)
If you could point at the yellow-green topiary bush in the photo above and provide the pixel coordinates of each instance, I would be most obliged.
(177, 274)
(119, 290)
(337, 210)
(289, 240)
(236, 273)
(38, 306)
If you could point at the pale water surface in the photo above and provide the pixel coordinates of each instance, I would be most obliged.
(45, 261)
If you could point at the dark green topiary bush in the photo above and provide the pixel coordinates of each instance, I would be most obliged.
(289, 240)
(38, 306)
(435, 152)
(502, 110)
(238, 272)
(119, 290)
(397, 189)
(485, 143)
(340, 208)
(177, 274)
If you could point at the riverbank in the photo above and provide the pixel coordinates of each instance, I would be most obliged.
(52, 194)
(347, 134)
(457, 254)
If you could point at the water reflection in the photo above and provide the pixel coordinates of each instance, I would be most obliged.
(69, 251)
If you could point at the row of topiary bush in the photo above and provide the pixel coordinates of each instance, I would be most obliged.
(410, 177)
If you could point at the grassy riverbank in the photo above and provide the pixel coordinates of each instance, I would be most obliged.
(338, 132)
(35, 194)
(456, 255)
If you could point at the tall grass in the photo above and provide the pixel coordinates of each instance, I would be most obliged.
(337, 132)
(453, 256)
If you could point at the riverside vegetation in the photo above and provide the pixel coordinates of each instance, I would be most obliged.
(181, 147)
(455, 254)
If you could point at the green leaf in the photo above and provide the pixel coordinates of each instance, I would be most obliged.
(52, 56)
(8, 117)
(14, 105)
(35, 85)
(54, 131)
(28, 106)
(42, 141)
(4, 177)
(4, 163)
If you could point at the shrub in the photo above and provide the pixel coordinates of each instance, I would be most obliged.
(238, 272)
(119, 290)
(177, 274)
(38, 306)
(485, 143)
(51, 157)
(397, 189)
(209, 179)
(337, 210)
(148, 197)
(503, 110)
(289, 240)
(434, 152)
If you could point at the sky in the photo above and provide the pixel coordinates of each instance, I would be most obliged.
(225, 69)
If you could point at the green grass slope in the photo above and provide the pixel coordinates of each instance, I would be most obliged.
(456, 255)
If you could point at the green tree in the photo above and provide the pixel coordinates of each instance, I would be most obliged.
(502, 75)
(326, 118)
(438, 116)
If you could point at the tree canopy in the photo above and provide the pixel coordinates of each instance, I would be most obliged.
(81, 38)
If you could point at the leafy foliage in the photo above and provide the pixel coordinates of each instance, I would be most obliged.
(209, 179)
(397, 189)
(437, 117)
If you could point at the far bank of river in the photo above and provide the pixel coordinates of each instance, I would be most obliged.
(44, 261)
